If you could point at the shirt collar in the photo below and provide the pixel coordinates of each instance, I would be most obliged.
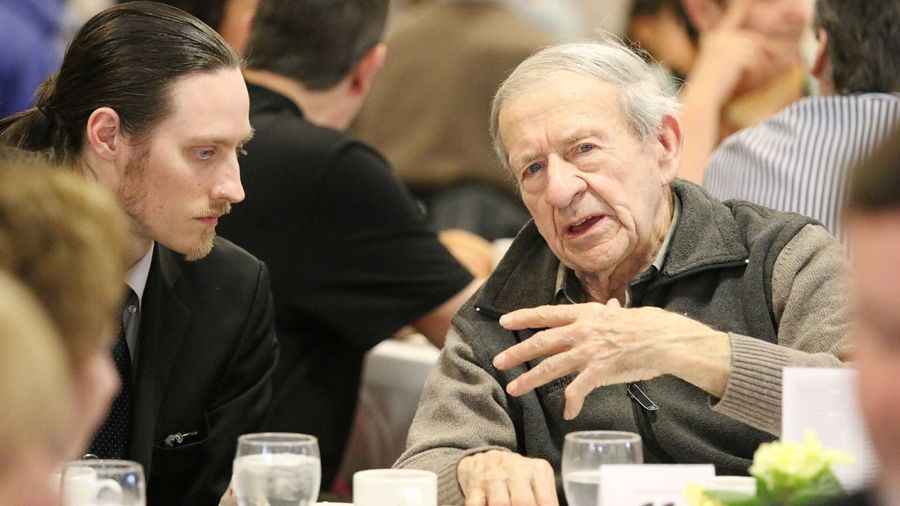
(568, 286)
(139, 272)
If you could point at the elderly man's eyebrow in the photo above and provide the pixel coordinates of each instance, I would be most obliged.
(524, 159)
(580, 134)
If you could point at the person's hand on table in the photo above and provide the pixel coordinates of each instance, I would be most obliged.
(497, 477)
(607, 344)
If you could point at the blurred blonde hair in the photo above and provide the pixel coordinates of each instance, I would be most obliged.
(65, 238)
(34, 375)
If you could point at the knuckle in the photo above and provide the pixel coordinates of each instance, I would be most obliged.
(546, 367)
(542, 466)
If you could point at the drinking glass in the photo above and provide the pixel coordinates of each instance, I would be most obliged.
(585, 452)
(102, 482)
(277, 469)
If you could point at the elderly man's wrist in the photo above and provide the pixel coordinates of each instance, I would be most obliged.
(705, 362)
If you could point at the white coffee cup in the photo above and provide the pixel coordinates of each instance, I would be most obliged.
(78, 487)
(394, 487)
(82, 486)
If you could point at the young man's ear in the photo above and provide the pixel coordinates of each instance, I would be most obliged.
(103, 133)
(702, 14)
(670, 142)
(361, 79)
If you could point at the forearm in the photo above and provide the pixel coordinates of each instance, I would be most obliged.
(462, 411)
(753, 392)
(810, 304)
(435, 324)
(704, 360)
(700, 119)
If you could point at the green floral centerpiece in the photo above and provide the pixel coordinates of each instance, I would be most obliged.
(786, 473)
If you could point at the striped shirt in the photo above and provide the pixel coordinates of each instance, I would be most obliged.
(798, 160)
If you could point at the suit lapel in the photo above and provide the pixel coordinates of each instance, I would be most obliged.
(164, 321)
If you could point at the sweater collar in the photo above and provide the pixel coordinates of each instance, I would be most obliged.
(705, 236)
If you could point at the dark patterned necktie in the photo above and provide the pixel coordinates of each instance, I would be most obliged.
(111, 441)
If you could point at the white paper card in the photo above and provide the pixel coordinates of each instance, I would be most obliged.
(824, 399)
(651, 484)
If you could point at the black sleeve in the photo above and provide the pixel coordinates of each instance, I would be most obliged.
(373, 265)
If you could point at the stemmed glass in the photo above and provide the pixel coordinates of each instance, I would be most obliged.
(276, 469)
(103, 482)
(585, 452)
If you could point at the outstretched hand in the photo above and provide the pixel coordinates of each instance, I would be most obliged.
(607, 344)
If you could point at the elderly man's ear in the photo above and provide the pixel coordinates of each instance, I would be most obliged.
(669, 144)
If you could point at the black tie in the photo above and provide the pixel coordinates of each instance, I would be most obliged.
(111, 441)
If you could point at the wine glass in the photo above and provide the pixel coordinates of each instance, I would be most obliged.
(100, 482)
(585, 452)
(277, 469)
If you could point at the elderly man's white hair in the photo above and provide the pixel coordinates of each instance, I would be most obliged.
(644, 96)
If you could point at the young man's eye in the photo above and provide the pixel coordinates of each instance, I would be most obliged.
(204, 154)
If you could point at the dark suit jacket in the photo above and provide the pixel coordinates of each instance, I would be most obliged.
(205, 355)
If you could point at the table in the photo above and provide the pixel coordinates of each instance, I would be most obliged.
(393, 378)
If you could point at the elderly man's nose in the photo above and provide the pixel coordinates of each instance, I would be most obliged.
(564, 182)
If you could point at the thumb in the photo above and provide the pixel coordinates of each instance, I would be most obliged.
(613, 302)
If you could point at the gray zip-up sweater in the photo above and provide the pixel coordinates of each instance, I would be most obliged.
(774, 281)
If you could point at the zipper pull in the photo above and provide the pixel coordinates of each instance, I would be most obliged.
(177, 438)
(489, 312)
(635, 392)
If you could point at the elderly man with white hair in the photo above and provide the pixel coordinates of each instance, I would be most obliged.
(633, 301)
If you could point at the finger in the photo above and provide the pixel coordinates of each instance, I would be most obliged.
(520, 492)
(540, 317)
(613, 302)
(543, 483)
(736, 14)
(498, 493)
(548, 370)
(578, 389)
(545, 342)
(475, 497)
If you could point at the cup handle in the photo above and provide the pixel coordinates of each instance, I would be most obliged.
(108, 489)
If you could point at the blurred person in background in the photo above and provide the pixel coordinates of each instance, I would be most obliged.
(151, 103)
(873, 222)
(798, 160)
(742, 65)
(351, 256)
(66, 240)
(31, 48)
(34, 393)
(231, 18)
(430, 103)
